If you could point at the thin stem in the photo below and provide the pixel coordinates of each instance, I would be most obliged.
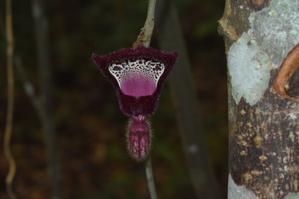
(150, 179)
(145, 35)
(10, 102)
(45, 95)
(144, 39)
(29, 88)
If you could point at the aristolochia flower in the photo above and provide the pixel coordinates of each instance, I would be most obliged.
(137, 76)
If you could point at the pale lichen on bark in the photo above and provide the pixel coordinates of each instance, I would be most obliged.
(236, 192)
(273, 32)
(248, 63)
(276, 28)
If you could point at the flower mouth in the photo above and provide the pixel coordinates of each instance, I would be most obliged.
(137, 78)
(137, 85)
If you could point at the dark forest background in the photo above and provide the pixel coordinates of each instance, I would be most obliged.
(89, 127)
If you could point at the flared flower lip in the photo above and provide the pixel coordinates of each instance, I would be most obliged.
(132, 105)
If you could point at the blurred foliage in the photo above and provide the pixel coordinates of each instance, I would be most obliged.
(89, 125)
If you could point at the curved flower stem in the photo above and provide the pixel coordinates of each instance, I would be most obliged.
(10, 102)
(144, 39)
(150, 179)
(145, 35)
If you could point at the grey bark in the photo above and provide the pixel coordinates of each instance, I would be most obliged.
(263, 124)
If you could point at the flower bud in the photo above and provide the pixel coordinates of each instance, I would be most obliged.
(139, 138)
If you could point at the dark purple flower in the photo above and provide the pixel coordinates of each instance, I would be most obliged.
(138, 76)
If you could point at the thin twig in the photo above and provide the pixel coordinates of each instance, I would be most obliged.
(28, 87)
(145, 35)
(144, 39)
(150, 179)
(10, 102)
(45, 95)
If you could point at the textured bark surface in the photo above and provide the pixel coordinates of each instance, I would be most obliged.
(263, 125)
(264, 147)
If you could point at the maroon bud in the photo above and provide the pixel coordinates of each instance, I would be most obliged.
(139, 138)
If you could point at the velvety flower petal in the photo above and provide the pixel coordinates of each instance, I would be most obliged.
(137, 75)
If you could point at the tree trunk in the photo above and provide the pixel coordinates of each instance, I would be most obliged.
(261, 38)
